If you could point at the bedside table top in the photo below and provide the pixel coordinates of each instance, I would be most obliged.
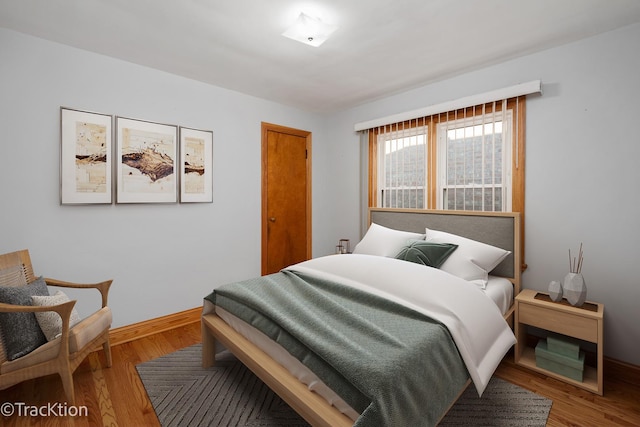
(588, 309)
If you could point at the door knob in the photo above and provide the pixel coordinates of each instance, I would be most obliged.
(272, 219)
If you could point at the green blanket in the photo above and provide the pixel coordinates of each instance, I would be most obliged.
(395, 366)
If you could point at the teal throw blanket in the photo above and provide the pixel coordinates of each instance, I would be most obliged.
(395, 366)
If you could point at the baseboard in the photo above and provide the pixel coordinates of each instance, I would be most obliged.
(621, 371)
(145, 328)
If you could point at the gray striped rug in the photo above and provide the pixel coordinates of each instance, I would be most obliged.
(185, 394)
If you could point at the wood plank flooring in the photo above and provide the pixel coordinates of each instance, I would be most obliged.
(115, 396)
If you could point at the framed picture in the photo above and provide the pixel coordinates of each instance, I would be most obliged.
(196, 165)
(85, 157)
(146, 155)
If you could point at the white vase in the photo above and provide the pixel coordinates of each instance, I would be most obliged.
(574, 289)
(555, 291)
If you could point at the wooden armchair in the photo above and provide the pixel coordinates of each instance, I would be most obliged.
(60, 355)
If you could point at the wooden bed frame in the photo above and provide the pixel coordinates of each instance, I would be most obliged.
(497, 229)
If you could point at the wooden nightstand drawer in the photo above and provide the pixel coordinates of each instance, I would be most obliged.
(560, 322)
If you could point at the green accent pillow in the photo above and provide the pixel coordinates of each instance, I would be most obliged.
(426, 253)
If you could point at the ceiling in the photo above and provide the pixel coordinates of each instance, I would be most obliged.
(381, 47)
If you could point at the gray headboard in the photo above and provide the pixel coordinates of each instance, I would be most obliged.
(501, 229)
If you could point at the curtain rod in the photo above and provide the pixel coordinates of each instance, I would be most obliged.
(533, 86)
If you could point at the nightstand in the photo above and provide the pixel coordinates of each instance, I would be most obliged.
(585, 323)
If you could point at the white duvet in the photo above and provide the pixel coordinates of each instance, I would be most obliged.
(474, 321)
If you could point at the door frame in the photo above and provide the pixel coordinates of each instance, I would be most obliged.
(266, 127)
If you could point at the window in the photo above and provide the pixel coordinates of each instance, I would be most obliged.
(474, 164)
(403, 167)
(469, 159)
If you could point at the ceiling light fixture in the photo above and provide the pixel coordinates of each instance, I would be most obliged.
(309, 30)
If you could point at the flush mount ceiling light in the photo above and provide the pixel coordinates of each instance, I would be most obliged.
(309, 30)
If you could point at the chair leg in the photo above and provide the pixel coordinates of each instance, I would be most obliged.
(67, 384)
(107, 352)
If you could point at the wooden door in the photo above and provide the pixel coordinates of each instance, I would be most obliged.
(286, 197)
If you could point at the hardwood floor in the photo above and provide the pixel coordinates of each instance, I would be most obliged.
(115, 396)
(573, 406)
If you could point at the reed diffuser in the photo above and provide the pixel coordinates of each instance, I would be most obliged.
(573, 286)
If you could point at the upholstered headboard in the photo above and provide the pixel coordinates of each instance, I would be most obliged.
(501, 229)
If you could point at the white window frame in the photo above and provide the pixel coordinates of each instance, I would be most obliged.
(382, 143)
(507, 155)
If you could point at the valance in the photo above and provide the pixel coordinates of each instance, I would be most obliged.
(534, 86)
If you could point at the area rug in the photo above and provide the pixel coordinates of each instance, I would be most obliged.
(228, 394)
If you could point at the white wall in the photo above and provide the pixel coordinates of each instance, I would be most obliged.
(582, 158)
(163, 258)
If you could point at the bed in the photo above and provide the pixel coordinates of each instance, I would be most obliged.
(463, 304)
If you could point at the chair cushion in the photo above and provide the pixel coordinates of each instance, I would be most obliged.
(79, 336)
(50, 322)
(89, 328)
(20, 331)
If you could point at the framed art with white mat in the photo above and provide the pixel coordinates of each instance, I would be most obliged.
(85, 157)
(146, 161)
(196, 165)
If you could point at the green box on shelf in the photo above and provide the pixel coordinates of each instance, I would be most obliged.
(566, 346)
(558, 363)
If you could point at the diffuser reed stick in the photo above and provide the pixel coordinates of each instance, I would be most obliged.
(575, 264)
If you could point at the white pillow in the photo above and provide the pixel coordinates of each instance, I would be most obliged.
(472, 260)
(49, 321)
(383, 241)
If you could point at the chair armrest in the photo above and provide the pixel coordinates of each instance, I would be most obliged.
(103, 287)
